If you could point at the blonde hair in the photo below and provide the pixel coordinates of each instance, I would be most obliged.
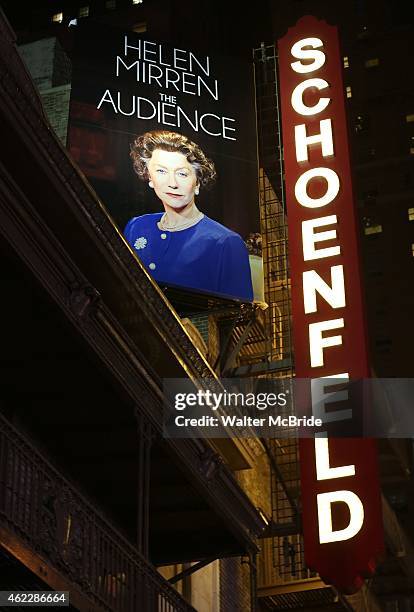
(144, 146)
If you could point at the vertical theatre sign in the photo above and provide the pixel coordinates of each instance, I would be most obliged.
(340, 490)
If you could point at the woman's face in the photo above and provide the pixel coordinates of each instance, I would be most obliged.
(173, 177)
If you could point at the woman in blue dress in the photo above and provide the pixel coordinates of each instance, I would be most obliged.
(182, 246)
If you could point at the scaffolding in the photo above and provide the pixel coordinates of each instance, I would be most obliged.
(286, 550)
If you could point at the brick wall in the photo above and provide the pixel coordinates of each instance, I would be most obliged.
(208, 329)
(56, 106)
(201, 323)
(234, 585)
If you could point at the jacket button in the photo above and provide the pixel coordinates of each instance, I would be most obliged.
(163, 236)
(152, 266)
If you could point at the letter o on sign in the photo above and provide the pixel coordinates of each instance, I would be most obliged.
(332, 190)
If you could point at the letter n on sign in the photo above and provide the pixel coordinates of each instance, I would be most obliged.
(342, 519)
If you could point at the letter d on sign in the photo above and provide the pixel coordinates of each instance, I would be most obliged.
(356, 511)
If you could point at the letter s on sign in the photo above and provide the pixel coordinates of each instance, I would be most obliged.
(298, 50)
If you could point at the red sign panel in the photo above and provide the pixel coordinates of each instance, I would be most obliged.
(342, 520)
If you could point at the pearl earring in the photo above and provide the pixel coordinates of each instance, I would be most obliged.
(151, 184)
(197, 190)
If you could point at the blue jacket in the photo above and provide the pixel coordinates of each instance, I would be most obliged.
(206, 256)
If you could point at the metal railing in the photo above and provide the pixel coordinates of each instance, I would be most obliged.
(48, 514)
(286, 562)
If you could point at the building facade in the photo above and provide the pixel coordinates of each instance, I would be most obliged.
(94, 500)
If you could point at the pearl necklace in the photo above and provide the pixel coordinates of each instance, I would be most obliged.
(178, 228)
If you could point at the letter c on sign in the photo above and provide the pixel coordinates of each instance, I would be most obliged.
(297, 97)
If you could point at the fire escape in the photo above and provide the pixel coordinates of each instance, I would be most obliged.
(284, 581)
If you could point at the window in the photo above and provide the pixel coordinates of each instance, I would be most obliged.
(346, 61)
(84, 11)
(374, 229)
(410, 132)
(348, 91)
(412, 250)
(370, 197)
(371, 63)
(383, 342)
(57, 18)
(363, 34)
(411, 214)
(375, 273)
(366, 153)
(110, 4)
(362, 124)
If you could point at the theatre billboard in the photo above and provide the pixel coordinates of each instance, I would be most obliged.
(339, 481)
(167, 137)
